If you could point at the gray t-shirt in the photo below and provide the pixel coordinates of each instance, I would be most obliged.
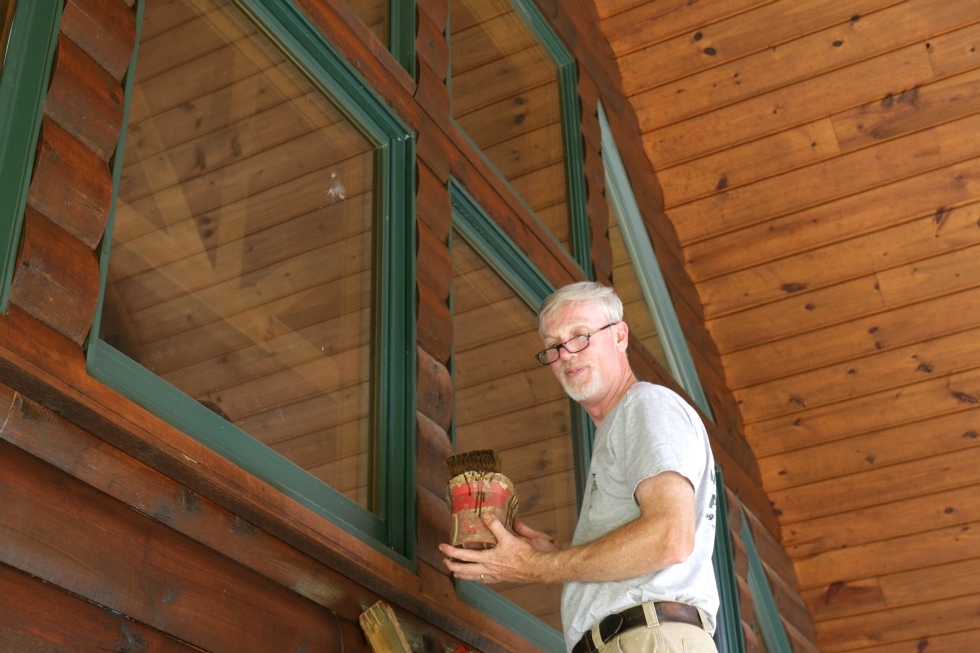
(651, 430)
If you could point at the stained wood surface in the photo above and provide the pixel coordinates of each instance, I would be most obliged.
(820, 165)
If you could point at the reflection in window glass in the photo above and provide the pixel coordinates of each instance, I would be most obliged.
(241, 260)
(505, 96)
(7, 16)
(635, 310)
(374, 14)
(507, 402)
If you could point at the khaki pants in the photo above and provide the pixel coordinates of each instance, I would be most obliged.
(665, 637)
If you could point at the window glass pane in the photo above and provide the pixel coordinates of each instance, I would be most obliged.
(507, 402)
(505, 96)
(635, 310)
(241, 261)
(374, 14)
(6, 16)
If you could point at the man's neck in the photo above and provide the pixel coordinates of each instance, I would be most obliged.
(602, 406)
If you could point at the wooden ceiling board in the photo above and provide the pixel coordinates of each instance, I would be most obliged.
(821, 169)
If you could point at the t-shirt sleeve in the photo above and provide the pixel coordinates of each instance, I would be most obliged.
(660, 436)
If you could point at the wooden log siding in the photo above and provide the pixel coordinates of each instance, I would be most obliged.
(828, 215)
(265, 536)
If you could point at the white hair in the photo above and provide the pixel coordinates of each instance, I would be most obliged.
(603, 297)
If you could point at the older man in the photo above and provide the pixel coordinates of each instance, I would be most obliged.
(638, 576)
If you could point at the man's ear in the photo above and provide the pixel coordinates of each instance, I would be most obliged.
(622, 335)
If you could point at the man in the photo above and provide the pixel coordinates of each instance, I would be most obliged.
(638, 576)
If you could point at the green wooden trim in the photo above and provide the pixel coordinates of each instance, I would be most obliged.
(771, 624)
(728, 627)
(571, 121)
(651, 279)
(578, 219)
(502, 255)
(392, 530)
(23, 88)
(401, 34)
(516, 618)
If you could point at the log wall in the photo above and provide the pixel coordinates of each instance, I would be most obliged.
(120, 531)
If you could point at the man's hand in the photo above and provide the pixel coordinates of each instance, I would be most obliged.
(517, 556)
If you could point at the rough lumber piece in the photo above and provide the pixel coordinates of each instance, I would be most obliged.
(56, 277)
(383, 632)
(71, 185)
(85, 99)
(104, 29)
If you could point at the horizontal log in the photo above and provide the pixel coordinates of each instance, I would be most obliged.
(932, 583)
(71, 186)
(104, 29)
(932, 437)
(434, 324)
(788, 107)
(434, 447)
(80, 530)
(632, 25)
(56, 277)
(918, 196)
(746, 65)
(892, 368)
(85, 100)
(937, 234)
(431, 92)
(39, 617)
(757, 32)
(855, 172)
(942, 396)
(829, 513)
(435, 398)
(901, 625)
(743, 164)
(430, 42)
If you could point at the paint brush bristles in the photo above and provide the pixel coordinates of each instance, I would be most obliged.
(481, 460)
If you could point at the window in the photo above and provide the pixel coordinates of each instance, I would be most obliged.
(393, 23)
(638, 280)
(30, 33)
(251, 294)
(513, 93)
(507, 402)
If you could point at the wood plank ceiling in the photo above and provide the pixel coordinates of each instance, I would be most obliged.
(820, 161)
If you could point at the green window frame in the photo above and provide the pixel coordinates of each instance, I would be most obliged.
(23, 88)
(578, 225)
(655, 292)
(728, 621)
(773, 633)
(510, 263)
(392, 530)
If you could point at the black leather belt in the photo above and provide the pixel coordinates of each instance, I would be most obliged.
(633, 617)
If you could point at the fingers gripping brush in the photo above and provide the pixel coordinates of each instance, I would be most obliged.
(477, 486)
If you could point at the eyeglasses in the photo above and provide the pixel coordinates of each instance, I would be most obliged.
(572, 346)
